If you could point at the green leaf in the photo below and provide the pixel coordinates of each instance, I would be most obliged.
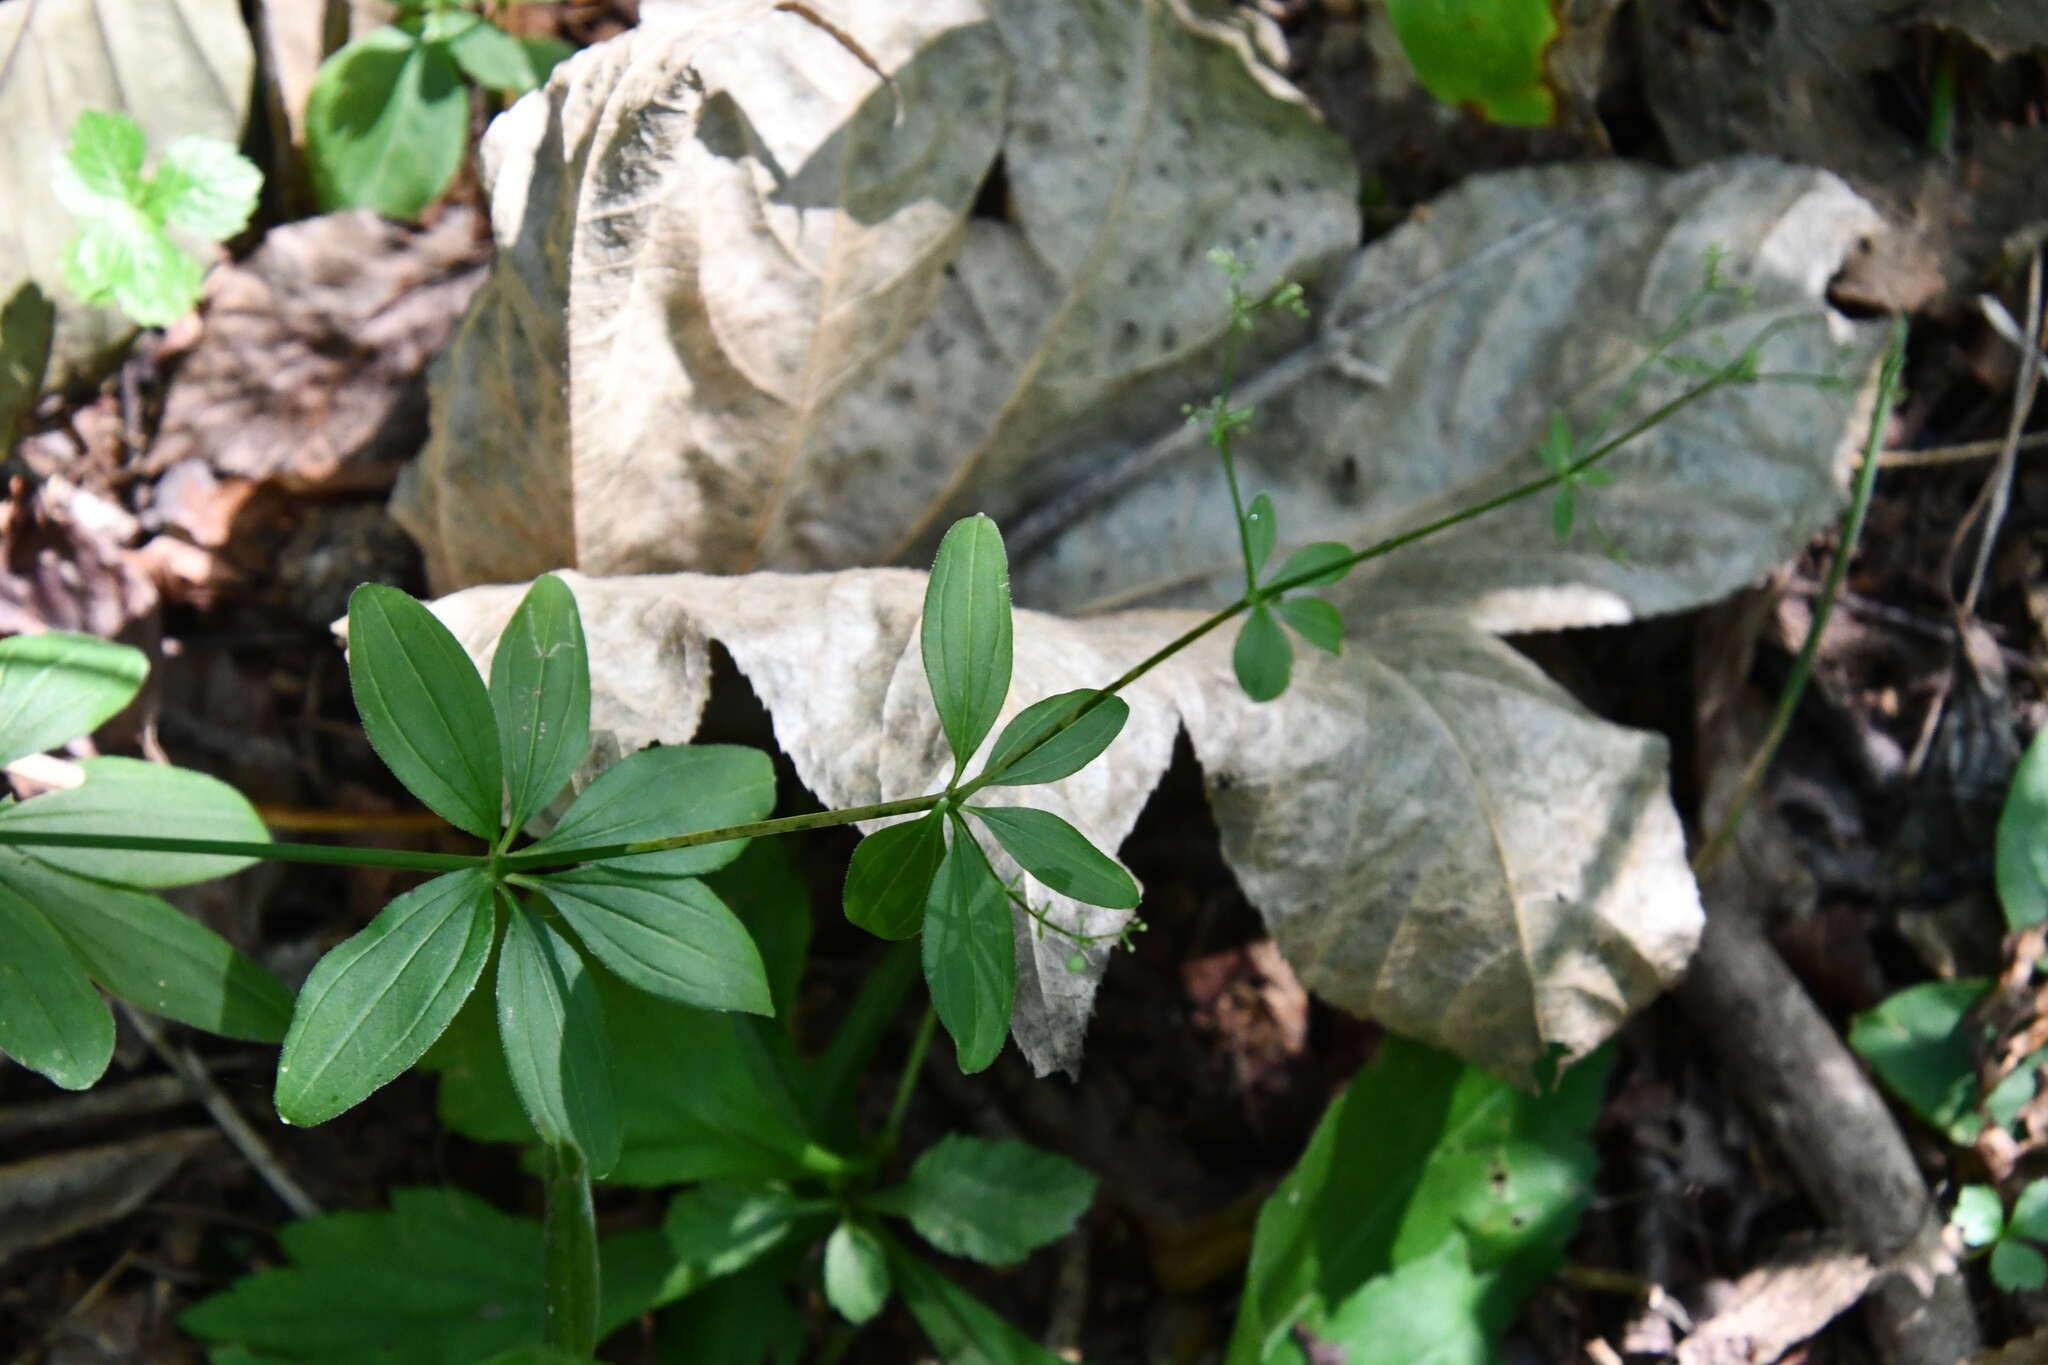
(2017, 1267)
(425, 709)
(122, 257)
(1563, 511)
(537, 1355)
(720, 1228)
(993, 1202)
(1059, 855)
(1261, 529)
(966, 633)
(856, 1273)
(540, 692)
(1431, 1311)
(387, 124)
(837, 1071)
(1486, 53)
(106, 152)
(769, 889)
(670, 936)
(58, 686)
(2030, 1213)
(1918, 1042)
(1262, 657)
(891, 874)
(544, 54)
(204, 186)
(153, 955)
(2023, 840)
(1556, 449)
(1319, 623)
(1324, 560)
(128, 796)
(743, 1319)
(556, 1051)
(970, 957)
(1419, 1148)
(28, 324)
(376, 1002)
(1071, 750)
(51, 1019)
(963, 1329)
(493, 58)
(1979, 1217)
(660, 793)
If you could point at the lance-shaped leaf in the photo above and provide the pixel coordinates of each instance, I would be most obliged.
(1261, 530)
(657, 793)
(994, 1202)
(1315, 620)
(961, 1327)
(556, 1048)
(970, 960)
(425, 709)
(379, 1000)
(1059, 855)
(540, 692)
(890, 877)
(153, 955)
(51, 1019)
(670, 936)
(966, 633)
(1066, 752)
(58, 686)
(128, 796)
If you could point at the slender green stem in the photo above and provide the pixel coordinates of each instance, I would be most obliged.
(569, 1255)
(906, 1084)
(1802, 667)
(759, 829)
(230, 848)
(1219, 436)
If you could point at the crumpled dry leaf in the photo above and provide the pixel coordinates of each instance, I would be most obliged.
(48, 1198)
(1509, 875)
(1775, 1307)
(747, 313)
(174, 66)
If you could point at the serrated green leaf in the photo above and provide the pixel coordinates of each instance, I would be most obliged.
(1262, 658)
(153, 955)
(965, 635)
(2017, 1267)
(1979, 1217)
(425, 708)
(1323, 560)
(1059, 855)
(890, 877)
(556, 1049)
(106, 151)
(57, 686)
(1918, 1043)
(1071, 750)
(1430, 1311)
(1261, 529)
(1484, 53)
(2022, 867)
(856, 1273)
(387, 124)
(2030, 1213)
(993, 1202)
(1317, 622)
(129, 796)
(51, 1019)
(659, 793)
(670, 936)
(963, 1329)
(493, 58)
(376, 1002)
(970, 958)
(540, 692)
(122, 257)
(204, 186)
(722, 1227)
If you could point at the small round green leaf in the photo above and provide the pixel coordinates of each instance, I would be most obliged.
(2022, 865)
(129, 796)
(1261, 529)
(1059, 855)
(540, 692)
(1919, 1044)
(658, 793)
(1978, 1216)
(379, 1000)
(204, 186)
(1066, 753)
(387, 124)
(491, 57)
(669, 936)
(2017, 1267)
(106, 151)
(1324, 562)
(965, 635)
(1262, 657)
(1317, 622)
(51, 1019)
(58, 686)
(556, 1049)
(891, 875)
(1484, 53)
(856, 1273)
(970, 958)
(993, 1202)
(425, 709)
(2030, 1213)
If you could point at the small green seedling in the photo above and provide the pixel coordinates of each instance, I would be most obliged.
(124, 253)
(1980, 1219)
(387, 123)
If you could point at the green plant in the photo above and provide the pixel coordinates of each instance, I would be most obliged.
(1981, 1221)
(124, 253)
(387, 123)
(1485, 53)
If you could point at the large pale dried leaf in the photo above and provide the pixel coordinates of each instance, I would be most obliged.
(1437, 835)
(1435, 370)
(48, 1198)
(174, 66)
(746, 315)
